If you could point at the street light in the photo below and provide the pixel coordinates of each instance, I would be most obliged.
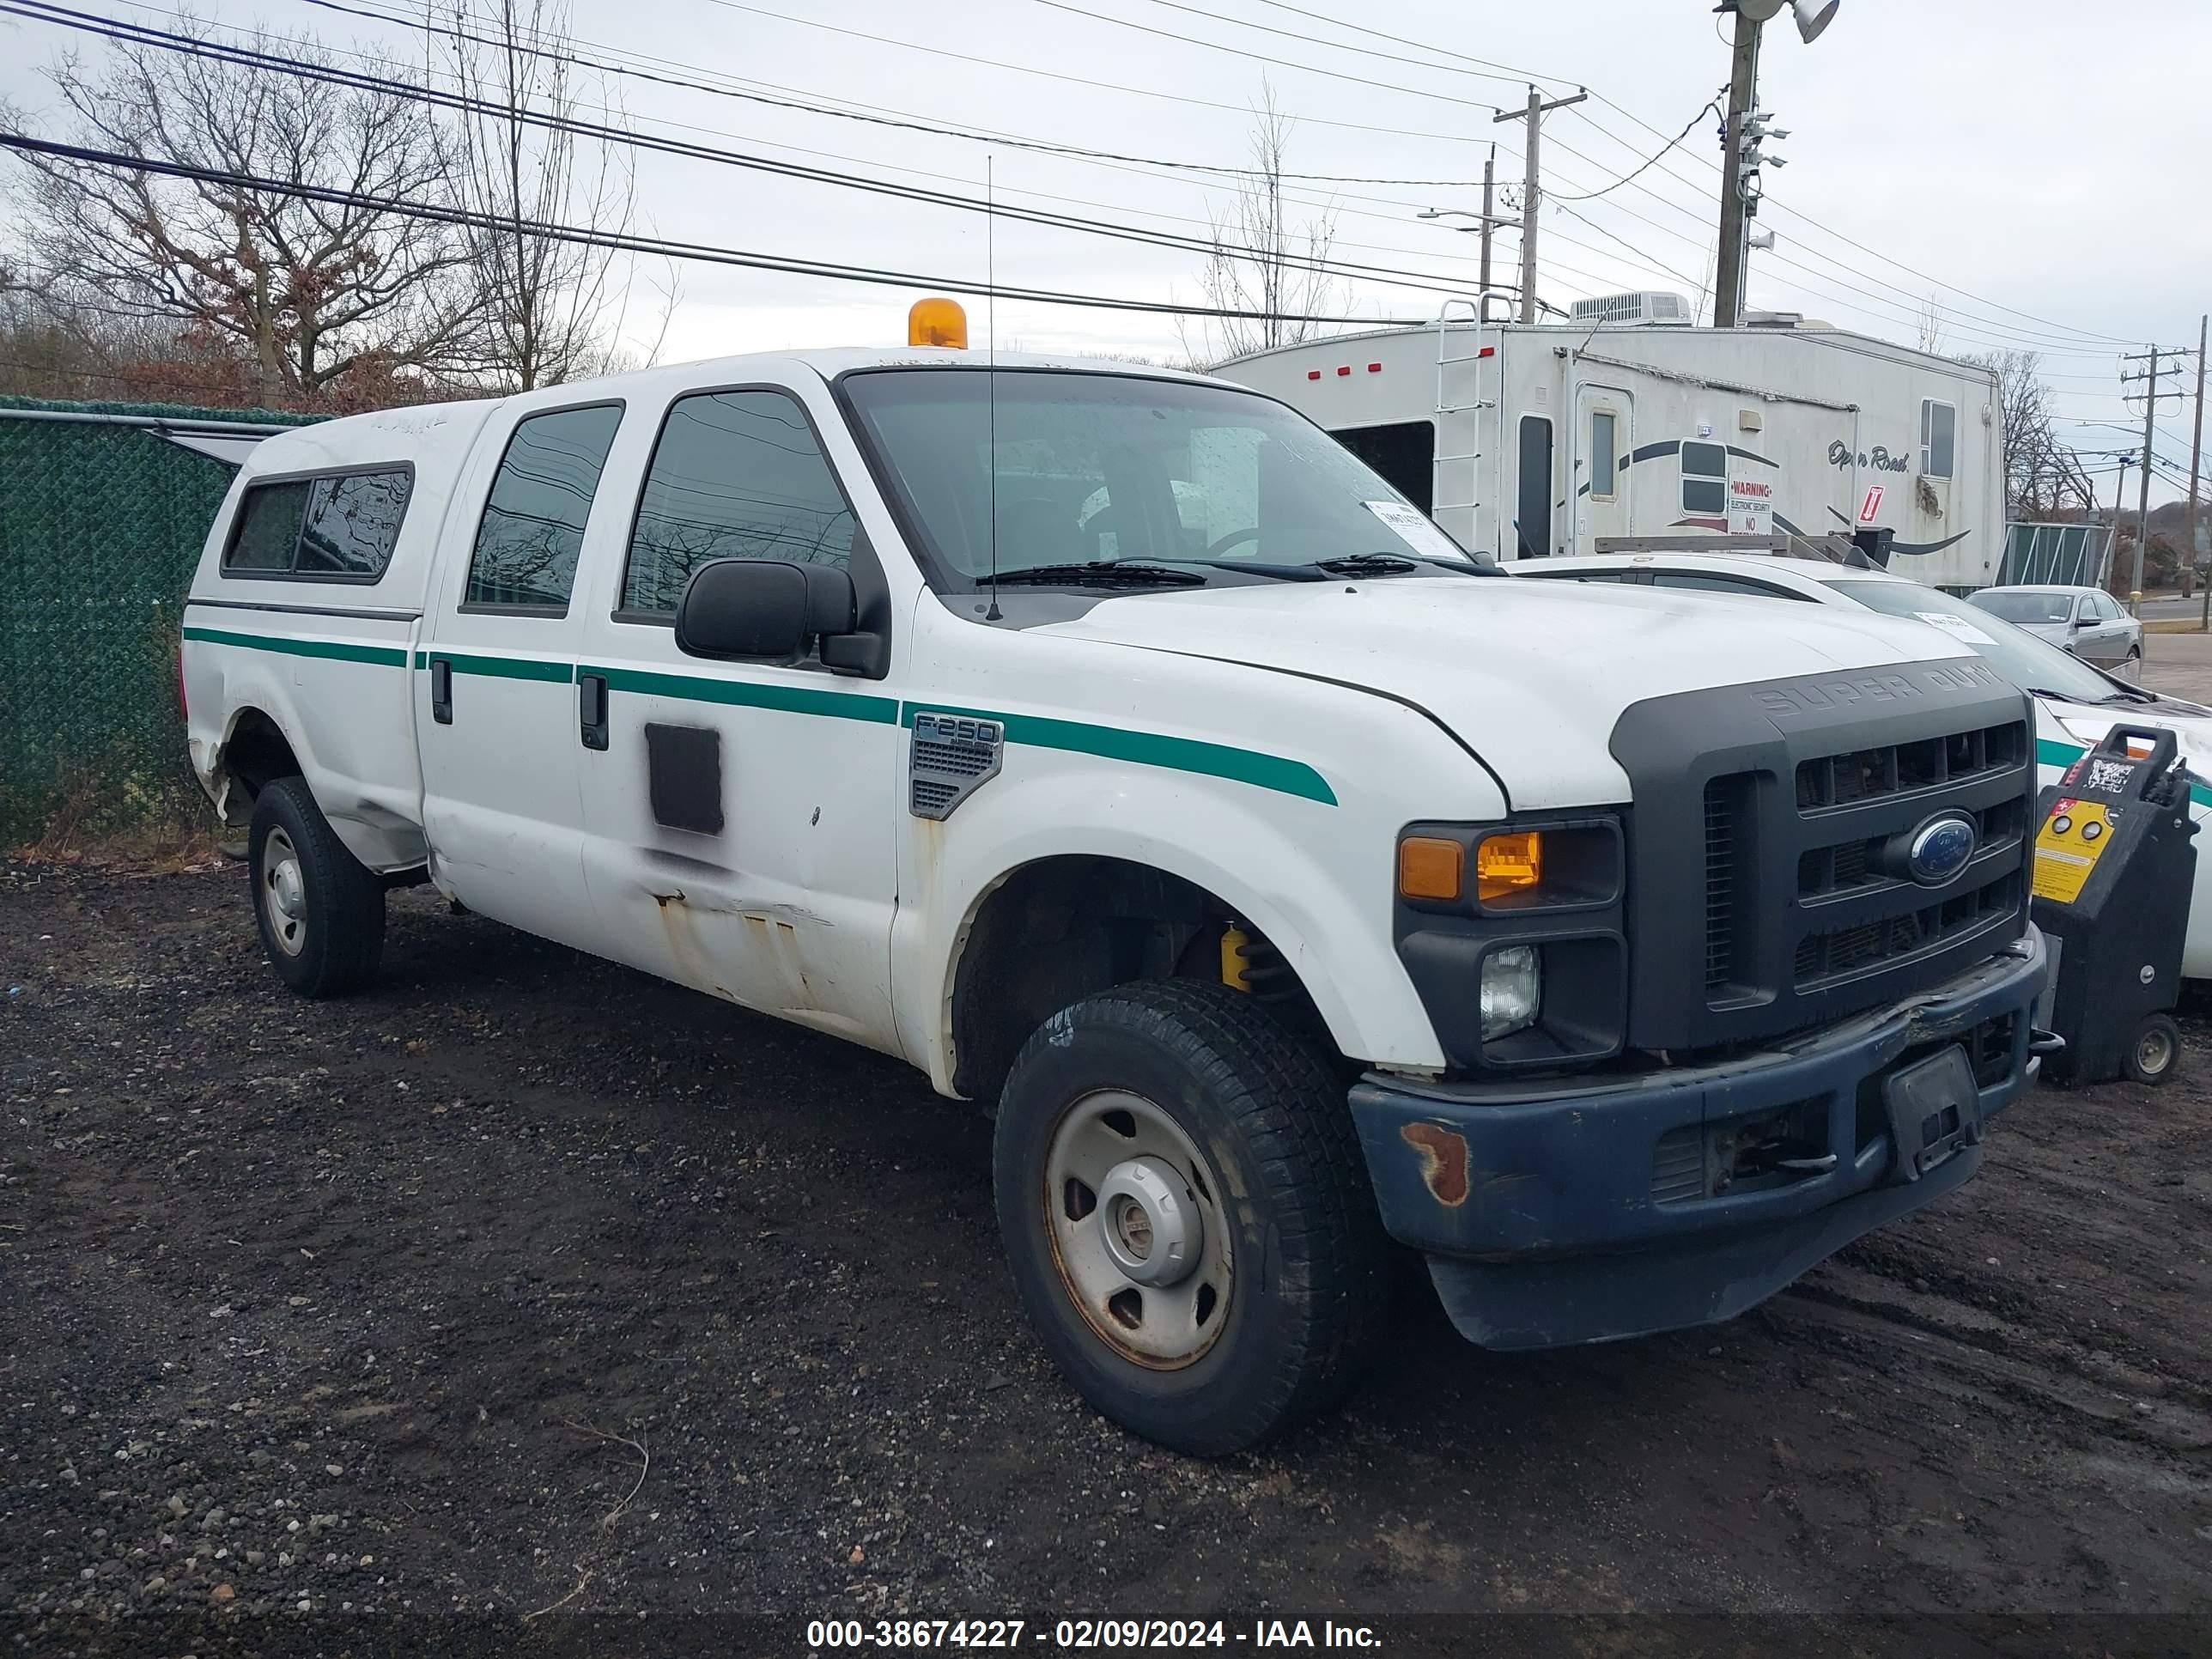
(1485, 222)
(1811, 18)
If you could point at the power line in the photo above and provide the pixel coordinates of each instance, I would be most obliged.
(1435, 50)
(1258, 56)
(1712, 108)
(1077, 80)
(873, 115)
(628, 242)
(1331, 204)
(1980, 335)
(137, 33)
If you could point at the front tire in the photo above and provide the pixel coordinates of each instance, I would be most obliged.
(320, 911)
(1186, 1215)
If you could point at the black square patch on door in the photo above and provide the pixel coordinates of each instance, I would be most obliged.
(683, 777)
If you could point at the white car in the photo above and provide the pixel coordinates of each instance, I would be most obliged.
(2074, 704)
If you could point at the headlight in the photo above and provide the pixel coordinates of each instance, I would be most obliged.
(1512, 991)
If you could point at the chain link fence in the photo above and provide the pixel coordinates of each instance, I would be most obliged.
(102, 518)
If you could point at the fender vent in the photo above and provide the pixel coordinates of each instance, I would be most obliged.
(952, 757)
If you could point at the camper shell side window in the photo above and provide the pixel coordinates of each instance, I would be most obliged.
(334, 526)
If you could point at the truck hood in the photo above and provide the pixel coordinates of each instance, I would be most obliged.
(1530, 676)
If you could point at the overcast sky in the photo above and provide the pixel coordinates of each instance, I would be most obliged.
(2028, 169)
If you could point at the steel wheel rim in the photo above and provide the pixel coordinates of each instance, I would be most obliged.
(284, 893)
(2153, 1052)
(1164, 1327)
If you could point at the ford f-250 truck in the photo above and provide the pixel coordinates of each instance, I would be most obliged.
(1120, 752)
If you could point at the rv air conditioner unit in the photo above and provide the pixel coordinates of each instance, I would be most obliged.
(1650, 308)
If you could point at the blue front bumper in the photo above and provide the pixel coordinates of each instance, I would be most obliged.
(1590, 1210)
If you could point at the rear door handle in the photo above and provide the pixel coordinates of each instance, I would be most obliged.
(592, 710)
(441, 691)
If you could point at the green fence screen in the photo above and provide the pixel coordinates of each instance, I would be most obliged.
(101, 522)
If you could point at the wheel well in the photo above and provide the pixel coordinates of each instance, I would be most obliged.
(1059, 930)
(256, 754)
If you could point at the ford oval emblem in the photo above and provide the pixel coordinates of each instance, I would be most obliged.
(1940, 849)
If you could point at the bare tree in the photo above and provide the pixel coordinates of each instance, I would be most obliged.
(1262, 263)
(327, 302)
(1929, 326)
(2043, 475)
(550, 309)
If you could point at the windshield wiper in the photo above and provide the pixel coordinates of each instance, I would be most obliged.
(1399, 564)
(1107, 571)
(2121, 696)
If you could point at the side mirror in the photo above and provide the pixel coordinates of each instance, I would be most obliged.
(761, 609)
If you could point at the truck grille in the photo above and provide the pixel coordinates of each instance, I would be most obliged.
(1822, 957)
(1728, 815)
(1927, 763)
(1767, 892)
(1892, 921)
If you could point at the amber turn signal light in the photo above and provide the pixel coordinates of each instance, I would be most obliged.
(1430, 868)
(1508, 864)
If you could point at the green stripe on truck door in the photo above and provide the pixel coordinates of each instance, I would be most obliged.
(384, 656)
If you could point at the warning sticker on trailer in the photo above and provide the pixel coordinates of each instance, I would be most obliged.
(1750, 506)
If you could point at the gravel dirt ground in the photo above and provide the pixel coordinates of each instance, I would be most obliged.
(525, 1283)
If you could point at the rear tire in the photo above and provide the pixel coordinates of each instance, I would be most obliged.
(320, 911)
(1213, 1127)
(2155, 1054)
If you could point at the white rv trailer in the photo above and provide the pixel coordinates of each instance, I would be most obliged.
(1527, 442)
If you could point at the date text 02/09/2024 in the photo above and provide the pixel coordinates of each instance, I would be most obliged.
(1083, 1635)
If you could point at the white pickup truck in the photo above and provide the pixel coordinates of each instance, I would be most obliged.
(1124, 754)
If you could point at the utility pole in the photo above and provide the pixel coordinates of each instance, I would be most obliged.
(1745, 130)
(2120, 495)
(2150, 416)
(2196, 460)
(1743, 97)
(1489, 217)
(1531, 151)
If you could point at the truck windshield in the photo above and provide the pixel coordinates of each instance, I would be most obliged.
(2031, 664)
(1090, 470)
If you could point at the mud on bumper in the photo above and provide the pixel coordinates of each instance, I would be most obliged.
(1597, 1209)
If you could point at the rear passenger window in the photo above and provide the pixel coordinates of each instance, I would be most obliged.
(342, 527)
(532, 529)
(736, 475)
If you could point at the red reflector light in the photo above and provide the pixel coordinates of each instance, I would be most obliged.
(1344, 368)
(1487, 351)
(1313, 374)
(1374, 368)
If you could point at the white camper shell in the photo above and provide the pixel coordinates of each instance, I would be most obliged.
(1525, 441)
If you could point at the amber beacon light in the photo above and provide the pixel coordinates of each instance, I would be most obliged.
(937, 321)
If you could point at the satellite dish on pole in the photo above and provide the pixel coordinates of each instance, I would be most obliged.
(1761, 11)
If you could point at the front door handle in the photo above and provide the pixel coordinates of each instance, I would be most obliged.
(592, 710)
(441, 691)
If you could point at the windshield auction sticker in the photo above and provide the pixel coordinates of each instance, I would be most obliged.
(1415, 529)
